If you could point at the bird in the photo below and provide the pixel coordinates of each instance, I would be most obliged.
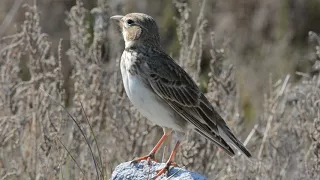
(164, 93)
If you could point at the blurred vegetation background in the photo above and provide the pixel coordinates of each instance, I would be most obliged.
(265, 37)
(256, 60)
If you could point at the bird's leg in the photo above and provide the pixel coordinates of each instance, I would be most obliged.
(151, 155)
(168, 163)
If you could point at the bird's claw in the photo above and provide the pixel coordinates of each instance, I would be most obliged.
(164, 169)
(148, 158)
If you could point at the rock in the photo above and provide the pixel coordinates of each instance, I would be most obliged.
(142, 171)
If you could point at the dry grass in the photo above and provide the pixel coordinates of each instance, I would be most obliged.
(38, 137)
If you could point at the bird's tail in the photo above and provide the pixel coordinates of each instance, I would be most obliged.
(227, 135)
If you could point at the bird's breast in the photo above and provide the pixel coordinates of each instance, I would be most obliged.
(146, 100)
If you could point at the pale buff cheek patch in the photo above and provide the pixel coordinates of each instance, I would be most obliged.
(129, 36)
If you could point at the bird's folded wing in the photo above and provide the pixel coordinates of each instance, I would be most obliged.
(170, 82)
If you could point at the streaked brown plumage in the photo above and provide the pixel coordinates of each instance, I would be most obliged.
(163, 92)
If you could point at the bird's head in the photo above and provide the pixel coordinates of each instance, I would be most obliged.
(138, 29)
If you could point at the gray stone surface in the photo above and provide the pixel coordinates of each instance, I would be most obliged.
(142, 171)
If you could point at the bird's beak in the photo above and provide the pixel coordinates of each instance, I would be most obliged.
(116, 17)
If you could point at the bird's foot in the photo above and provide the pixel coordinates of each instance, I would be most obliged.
(150, 157)
(168, 163)
(165, 169)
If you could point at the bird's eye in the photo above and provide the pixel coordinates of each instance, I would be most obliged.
(130, 22)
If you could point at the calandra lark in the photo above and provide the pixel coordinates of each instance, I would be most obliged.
(163, 92)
